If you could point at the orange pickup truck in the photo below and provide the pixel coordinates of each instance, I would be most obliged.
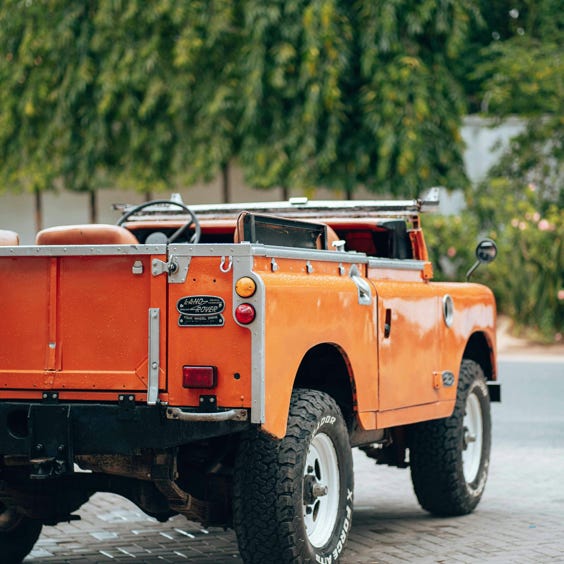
(220, 362)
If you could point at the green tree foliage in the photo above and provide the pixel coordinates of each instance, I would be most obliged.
(90, 92)
(522, 199)
(517, 68)
(376, 102)
(302, 92)
(207, 86)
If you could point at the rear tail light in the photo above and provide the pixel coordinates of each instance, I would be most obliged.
(245, 313)
(199, 376)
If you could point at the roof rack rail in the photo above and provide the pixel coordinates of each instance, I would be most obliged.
(302, 207)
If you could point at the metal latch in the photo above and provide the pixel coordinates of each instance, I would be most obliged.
(176, 268)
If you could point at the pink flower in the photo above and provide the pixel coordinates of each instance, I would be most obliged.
(515, 223)
(536, 216)
(532, 187)
(561, 295)
(522, 225)
(451, 252)
(545, 225)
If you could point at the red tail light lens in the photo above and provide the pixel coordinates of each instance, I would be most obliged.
(199, 376)
(245, 313)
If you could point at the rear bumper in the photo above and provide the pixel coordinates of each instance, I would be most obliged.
(62, 430)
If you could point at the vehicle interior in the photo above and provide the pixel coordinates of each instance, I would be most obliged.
(375, 237)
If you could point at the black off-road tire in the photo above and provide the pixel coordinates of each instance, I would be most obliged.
(274, 481)
(17, 539)
(437, 450)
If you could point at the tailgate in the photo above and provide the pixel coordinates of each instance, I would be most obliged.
(81, 322)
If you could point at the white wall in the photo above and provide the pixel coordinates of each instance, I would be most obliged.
(481, 136)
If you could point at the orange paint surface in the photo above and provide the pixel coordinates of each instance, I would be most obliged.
(79, 325)
(78, 322)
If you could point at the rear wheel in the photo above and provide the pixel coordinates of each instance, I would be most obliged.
(450, 457)
(293, 497)
(18, 534)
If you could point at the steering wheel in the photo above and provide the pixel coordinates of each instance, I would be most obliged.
(193, 220)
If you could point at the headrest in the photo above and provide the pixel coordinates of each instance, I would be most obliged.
(9, 238)
(89, 234)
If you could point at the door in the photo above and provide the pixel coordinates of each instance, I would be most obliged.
(82, 322)
(408, 339)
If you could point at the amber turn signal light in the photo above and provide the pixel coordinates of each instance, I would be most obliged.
(199, 376)
(245, 287)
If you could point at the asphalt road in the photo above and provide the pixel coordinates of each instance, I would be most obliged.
(520, 518)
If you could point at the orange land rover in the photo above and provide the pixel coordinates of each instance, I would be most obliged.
(221, 361)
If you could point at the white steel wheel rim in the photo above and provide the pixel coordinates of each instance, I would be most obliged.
(322, 470)
(472, 439)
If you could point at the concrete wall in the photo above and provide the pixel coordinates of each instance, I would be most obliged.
(485, 141)
(60, 208)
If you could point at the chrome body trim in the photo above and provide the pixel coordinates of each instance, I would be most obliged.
(448, 310)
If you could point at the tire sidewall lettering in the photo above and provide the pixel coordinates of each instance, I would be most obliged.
(336, 552)
(325, 420)
(332, 552)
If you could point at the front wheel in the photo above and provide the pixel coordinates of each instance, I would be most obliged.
(293, 498)
(450, 457)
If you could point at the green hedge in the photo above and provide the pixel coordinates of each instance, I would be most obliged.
(528, 275)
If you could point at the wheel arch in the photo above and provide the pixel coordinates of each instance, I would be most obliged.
(480, 349)
(325, 367)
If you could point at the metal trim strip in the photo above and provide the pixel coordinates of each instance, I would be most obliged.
(396, 264)
(81, 250)
(268, 251)
(243, 266)
(154, 354)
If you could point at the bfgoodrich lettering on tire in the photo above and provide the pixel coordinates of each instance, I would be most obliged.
(450, 457)
(293, 497)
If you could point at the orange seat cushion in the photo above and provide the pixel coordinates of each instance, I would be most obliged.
(9, 238)
(89, 234)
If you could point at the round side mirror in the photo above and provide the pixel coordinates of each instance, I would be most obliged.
(486, 251)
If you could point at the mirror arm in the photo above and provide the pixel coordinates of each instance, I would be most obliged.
(472, 269)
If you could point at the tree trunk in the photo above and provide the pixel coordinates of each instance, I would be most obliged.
(226, 187)
(148, 195)
(285, 193)
(38, 210)
(93, 206)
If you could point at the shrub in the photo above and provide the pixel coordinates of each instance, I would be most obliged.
(528, 275)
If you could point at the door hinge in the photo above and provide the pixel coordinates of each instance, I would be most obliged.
(362, 285)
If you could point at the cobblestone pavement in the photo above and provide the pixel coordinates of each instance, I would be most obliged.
(520, 518)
